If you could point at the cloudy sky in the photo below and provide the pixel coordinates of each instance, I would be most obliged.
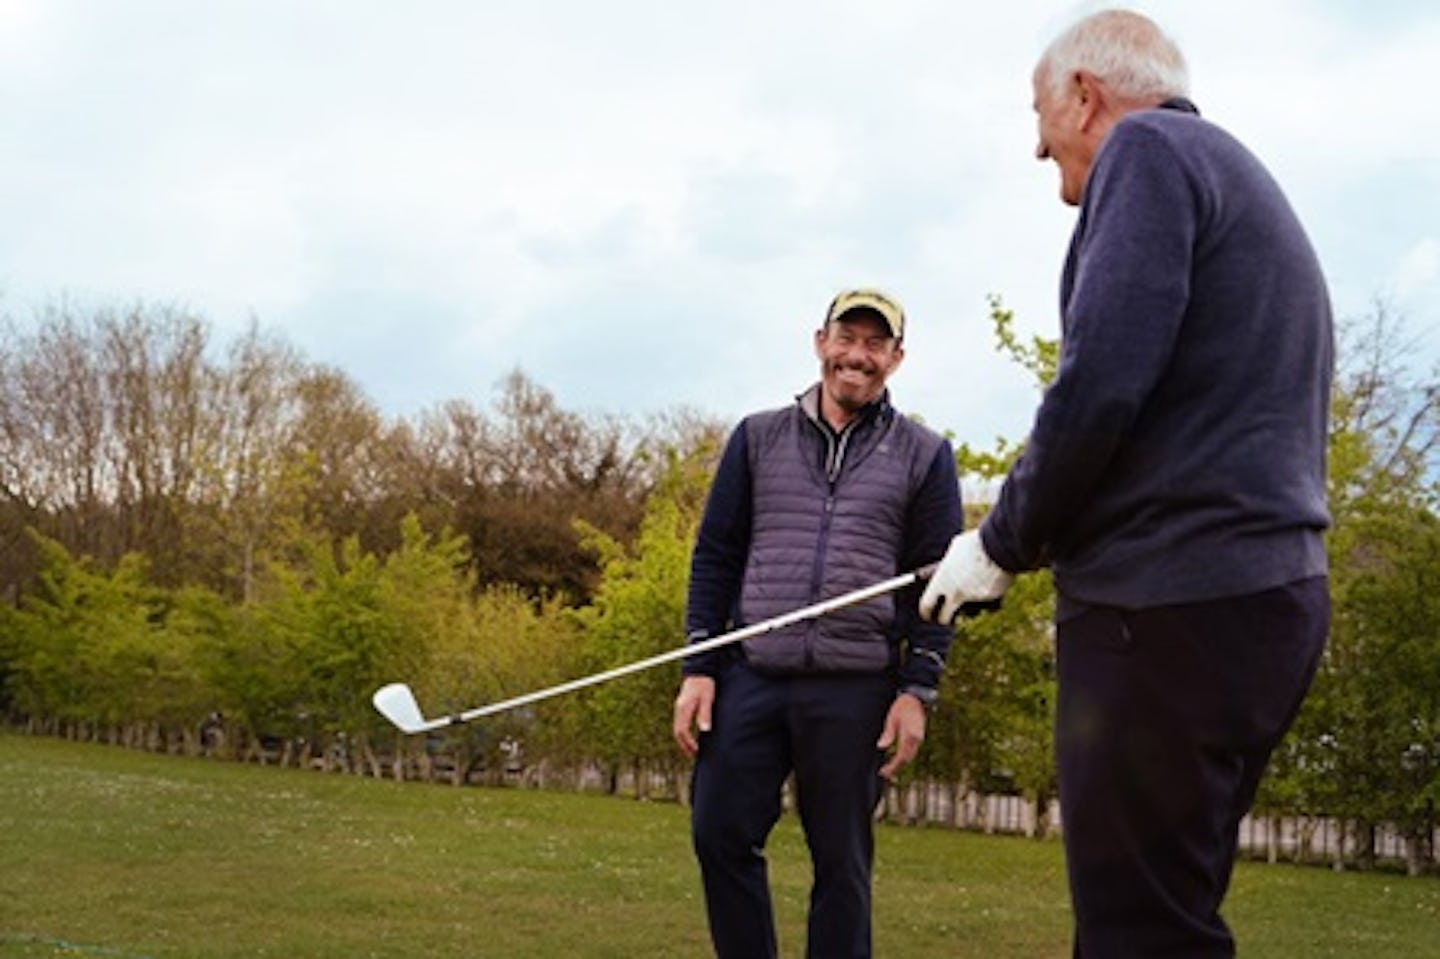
(645, 204)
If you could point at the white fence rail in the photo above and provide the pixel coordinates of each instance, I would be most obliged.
(1277, 838)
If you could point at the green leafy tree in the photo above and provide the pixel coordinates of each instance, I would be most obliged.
(306, 654)
(93, 651)
(1365, 746)
(71, 640)
(497, 645)
(992, 729)
(639, 611)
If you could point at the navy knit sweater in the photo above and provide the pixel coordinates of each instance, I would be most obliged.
(1179, 455)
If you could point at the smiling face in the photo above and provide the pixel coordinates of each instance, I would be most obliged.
(857, 355)
(1062, 119)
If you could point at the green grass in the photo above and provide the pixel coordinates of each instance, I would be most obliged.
(113, 853)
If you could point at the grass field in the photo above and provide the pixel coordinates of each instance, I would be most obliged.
(119, 854)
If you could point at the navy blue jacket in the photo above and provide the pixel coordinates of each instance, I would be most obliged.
(798, 514)
(1179, 454)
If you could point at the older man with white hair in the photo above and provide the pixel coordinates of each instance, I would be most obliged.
(1174, 481)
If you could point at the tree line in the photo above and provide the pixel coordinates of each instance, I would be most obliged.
(226, 548)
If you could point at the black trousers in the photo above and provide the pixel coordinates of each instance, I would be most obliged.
(1165, 721)
(823, 728)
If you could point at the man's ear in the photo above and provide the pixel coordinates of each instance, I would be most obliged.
(899, 357)
(1090, 95)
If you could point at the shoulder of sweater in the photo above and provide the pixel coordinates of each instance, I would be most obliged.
(1173, 127)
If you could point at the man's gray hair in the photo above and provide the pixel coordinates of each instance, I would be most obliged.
(1126, 51)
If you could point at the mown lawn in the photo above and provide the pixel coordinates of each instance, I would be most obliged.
(119, 854)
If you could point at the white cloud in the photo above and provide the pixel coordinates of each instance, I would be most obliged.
(645, 204)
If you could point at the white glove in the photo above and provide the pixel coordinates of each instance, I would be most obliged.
(965, 575)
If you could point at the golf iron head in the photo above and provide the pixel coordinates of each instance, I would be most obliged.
(396, 702)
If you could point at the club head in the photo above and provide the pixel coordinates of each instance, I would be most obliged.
(397, 703)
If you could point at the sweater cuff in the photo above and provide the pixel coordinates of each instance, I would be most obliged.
(702, 664)
(923, 667)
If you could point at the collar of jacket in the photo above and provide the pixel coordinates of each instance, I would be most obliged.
(879, 408)
(1182, 104)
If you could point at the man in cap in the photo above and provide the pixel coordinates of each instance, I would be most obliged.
(832, 493)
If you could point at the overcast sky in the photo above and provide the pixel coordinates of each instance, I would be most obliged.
(643, 204)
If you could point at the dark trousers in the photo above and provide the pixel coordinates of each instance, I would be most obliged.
(1165, 721)
(823, 728)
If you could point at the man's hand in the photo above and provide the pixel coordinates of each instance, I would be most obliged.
(905, 730)
(965, 575)
(692, 711)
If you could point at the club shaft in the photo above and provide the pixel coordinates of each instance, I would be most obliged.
(703, 646)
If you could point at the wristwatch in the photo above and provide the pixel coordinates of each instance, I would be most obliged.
(928, 695)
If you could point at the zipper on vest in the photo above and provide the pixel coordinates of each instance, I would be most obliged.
(836, 446)
(817, 573)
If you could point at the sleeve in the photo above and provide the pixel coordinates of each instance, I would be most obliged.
(935, 516)
(1129, 288)
(717, 564)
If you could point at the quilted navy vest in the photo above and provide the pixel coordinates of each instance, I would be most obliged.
(816, 535)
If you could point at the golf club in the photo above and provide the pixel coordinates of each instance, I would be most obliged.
(396, 701)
